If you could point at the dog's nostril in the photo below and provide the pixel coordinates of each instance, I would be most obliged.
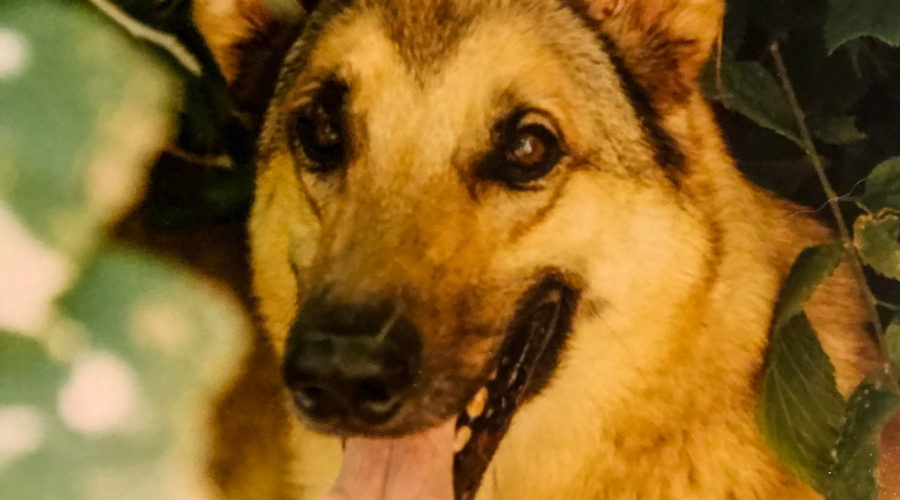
(309, 397)
(373, 390)
(374, 400)
(316, 401)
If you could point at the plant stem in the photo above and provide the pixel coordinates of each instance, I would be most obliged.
(810, 149)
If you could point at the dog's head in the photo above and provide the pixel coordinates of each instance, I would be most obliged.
(448, 188)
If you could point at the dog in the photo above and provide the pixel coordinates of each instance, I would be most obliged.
(501, 252)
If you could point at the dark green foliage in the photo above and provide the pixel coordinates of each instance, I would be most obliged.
(841, 63)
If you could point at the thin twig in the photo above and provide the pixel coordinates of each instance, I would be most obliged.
(216, 161)
(810, 149)
(889, 306)
(161, 39)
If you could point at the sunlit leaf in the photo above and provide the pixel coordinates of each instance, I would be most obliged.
(877, 237)
(883, 186)
(892, 342)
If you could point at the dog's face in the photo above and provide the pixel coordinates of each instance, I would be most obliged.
(449, 190)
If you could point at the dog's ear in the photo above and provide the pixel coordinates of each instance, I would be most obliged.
(249, 39)
(664, 43)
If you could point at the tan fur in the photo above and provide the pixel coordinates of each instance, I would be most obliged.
(655, 396)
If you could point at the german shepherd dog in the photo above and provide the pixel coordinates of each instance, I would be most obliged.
(501, 252)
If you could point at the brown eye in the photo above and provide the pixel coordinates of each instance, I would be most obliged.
(524, 152)
(528, 149)
(319, 128)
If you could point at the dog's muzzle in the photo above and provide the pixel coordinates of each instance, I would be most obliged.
(354, 367)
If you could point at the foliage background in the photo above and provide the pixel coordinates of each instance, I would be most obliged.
(802, 88)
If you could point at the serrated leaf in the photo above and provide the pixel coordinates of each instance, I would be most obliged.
(883, 186)
(800, 410)
(753, 92)
(838, 130)
(851, 19)
(813, 266)
(854, 472)
(877, 237)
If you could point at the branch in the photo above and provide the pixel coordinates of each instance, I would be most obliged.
(166, 41)
(816, 160)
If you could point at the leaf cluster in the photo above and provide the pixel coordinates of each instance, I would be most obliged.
(808, 94)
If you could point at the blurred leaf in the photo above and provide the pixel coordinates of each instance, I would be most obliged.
(851, 19)
(854, 473)
(800, 411)
(883, 186)
(752, 91)
(79, 126)
(878, 239)
(111, 399)
(124, 418)
(836, 130)
(813, 266)
(19, 358)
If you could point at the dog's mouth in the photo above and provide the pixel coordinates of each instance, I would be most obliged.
(419, 466)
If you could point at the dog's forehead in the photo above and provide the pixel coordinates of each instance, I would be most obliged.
(451, 64)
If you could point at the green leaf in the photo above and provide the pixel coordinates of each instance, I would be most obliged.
(84, 113)
(892, 343)
(877, 237)
(856, 454)
(752, 91)
(123, 417)
(800, 411)
(813, 266)
(851, 19)
(883, 186)
(24, 358)
(838, 130)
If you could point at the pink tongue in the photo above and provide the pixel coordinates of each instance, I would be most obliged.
(416, 467)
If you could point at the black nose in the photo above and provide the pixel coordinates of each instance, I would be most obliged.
(353, 362)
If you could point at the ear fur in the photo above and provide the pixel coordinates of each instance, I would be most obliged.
(249, 39)
(664, 43)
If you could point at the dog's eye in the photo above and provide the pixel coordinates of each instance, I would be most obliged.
(319, 128)
(526, 150)
(530, 149)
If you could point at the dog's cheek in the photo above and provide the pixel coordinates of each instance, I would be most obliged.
(279, 220)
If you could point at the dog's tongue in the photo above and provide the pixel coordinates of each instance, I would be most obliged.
(415, 467)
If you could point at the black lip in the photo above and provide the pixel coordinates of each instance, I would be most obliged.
(527, 360)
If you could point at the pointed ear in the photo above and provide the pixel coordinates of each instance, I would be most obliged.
(226, 25)
(249, 39)
(664, 43)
